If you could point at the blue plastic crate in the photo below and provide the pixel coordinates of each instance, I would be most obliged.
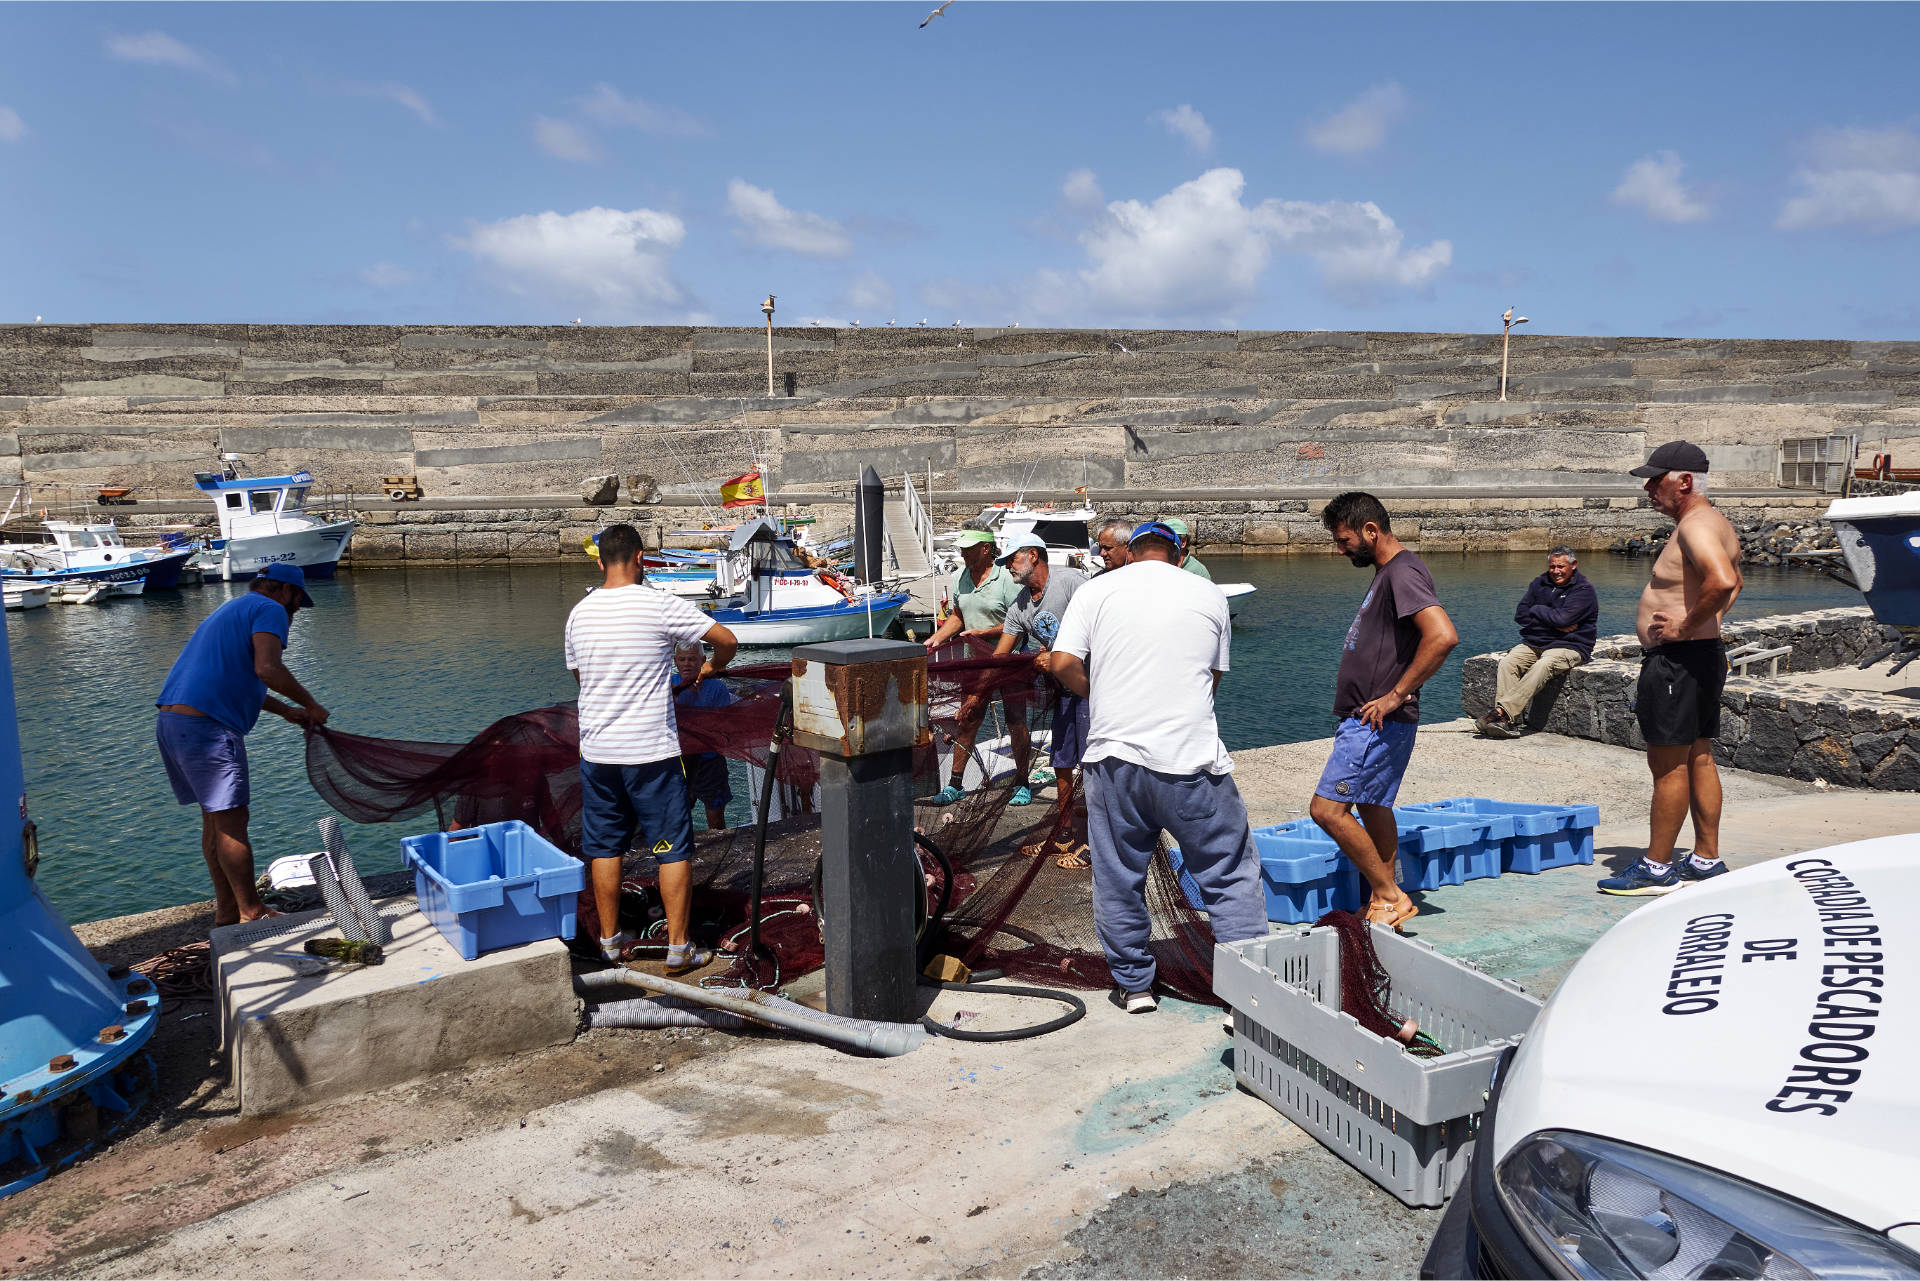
(1303, 876)
(494, 886)
(1453, 847)
(1543, 836)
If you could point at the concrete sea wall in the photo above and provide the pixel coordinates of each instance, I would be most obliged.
(1850, 737)
(1240, 429)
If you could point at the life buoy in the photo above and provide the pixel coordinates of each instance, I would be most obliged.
(839, 583)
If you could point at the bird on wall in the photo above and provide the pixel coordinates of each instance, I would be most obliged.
(941, 12)
(854, 323)
(922, 324)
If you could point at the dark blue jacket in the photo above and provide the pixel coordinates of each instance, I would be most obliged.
(1545, 609)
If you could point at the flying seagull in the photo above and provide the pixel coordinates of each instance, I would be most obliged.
(937, 13)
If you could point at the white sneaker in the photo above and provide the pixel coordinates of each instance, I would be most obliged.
(1140, 1003)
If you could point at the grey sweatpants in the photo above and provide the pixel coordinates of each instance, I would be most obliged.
(1127, 807)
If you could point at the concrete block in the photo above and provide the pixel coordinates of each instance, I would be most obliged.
(144, 385)
(546, 451)
(373, 440)
(300, 1030)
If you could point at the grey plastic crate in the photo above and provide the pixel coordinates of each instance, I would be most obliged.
(1407, 1123)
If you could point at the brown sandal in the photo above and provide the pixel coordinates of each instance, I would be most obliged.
(1071, 859)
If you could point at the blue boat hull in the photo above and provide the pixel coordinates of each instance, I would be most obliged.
(1884, 555)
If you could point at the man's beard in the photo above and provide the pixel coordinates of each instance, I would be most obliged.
(1361, 558)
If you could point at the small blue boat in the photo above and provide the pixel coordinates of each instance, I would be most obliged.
(1880, 539)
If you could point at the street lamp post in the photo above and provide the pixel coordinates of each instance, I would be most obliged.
(767, 307)
(1506, 337)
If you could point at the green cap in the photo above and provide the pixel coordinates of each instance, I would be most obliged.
(1177, 525)
(972, 538)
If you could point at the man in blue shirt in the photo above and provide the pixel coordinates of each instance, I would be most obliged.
(213, 696)
(1559, 620)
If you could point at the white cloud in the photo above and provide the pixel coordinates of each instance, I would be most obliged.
(564, 141)
(393, 91)
(12, 127)
(870, 292)
(1199, 252)
(384, 275)
(1187, 123)
(1081, 190)
(157, 48)
(607, 105)
(1652, 185)
(620, 259)
(1198, 248)
(764, 221)
(1859, 177)
(1362, 124)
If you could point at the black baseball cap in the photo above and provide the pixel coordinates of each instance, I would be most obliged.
(1675, 455)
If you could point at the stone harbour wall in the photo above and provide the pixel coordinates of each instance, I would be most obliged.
(528, 411)
(1848, 737)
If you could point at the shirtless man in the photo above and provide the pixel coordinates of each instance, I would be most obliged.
(1696, 579)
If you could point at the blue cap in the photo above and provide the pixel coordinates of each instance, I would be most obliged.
(1024, 540)
(280, 573)
(1158, 528)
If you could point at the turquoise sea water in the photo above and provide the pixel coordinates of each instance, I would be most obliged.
(440, 654)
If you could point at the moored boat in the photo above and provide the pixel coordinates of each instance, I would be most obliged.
(1880, 540)
(28, 595)
(92, 552)
(264, 521)
(780, 600)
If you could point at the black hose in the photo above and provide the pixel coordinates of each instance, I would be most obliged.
(782, 726)
(1076, 1012)
(927, 934)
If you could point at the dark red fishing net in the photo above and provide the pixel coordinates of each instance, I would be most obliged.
(1366, 989)
(1009, 910)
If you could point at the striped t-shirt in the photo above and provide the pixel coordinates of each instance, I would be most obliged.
(620, 640)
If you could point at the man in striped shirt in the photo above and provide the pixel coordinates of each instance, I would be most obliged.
(620, 643)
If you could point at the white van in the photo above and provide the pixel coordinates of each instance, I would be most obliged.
(1727, 1085)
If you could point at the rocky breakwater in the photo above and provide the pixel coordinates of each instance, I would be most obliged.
(1773, 726)
(1763, 541)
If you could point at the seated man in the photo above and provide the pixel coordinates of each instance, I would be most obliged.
(1559, 619)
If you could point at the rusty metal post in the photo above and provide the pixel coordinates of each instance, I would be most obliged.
(862, 704)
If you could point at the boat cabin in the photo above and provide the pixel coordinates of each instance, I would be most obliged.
(251, 506)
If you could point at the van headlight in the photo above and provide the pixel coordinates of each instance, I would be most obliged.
(1602, 1209)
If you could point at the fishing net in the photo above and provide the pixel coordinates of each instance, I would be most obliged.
(1366, 988)
(1007, 908)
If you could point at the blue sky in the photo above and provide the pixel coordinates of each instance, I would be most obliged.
(1727, 169)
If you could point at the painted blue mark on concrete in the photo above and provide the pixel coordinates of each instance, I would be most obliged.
(1135, 1111)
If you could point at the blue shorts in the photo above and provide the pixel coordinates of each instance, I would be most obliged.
(1069, 728)
(1365, 768)
(623, 807)
(206, 762)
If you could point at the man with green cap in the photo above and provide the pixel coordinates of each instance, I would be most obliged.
(982, 591)
(1188, 561)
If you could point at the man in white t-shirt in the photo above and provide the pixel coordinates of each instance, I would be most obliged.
(620, 643)
(1146, 645)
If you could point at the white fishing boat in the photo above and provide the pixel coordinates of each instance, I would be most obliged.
(781, 601)
(28, 595)
(93, 552)
(81, 592)
(264, 521)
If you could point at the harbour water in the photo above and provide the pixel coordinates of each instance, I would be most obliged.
(439, 654)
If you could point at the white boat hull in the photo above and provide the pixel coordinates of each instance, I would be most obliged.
(1237, 594)
(316, 551)
(29, 597)
(850, 625)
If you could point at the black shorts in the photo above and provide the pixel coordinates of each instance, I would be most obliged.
(707, 779)
(1678, 698)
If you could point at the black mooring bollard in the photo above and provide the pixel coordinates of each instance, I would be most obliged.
(869, 525)
(862, 704)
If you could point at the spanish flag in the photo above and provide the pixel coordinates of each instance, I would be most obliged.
(743, 491)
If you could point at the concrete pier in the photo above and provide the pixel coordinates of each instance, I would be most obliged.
(1117, 1147)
